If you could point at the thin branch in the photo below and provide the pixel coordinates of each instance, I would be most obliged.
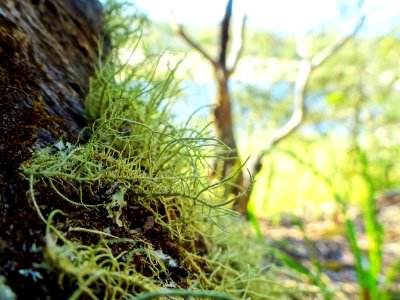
(225, 35)
(303, 76)
(299, 108)
(325, 54)
(237, 46)
(178, 28)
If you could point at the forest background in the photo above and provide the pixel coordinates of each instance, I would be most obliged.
(350, 102)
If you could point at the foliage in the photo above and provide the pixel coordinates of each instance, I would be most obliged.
(369, 266)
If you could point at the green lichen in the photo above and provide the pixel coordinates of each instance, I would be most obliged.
(117, 203)
(5, 291)
(133, 212)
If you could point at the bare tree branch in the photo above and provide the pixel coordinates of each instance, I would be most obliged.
(299, 108)
(237, 46)
(178, 28)
(222, 111)
(225, 35)
(303, 76)
(325, 54)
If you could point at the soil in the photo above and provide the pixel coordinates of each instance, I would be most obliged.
(323, 242)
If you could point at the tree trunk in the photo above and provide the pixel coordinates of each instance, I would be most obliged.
(223, 123)
(47, 53)
(222, 113)
(223, 120)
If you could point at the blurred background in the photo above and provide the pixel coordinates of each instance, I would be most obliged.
(352, 100)
(309, 95)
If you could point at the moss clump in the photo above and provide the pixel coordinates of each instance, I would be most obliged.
(131, 200)
(132, 213)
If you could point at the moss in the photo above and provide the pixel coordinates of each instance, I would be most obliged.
(133, 199)
(133, 213)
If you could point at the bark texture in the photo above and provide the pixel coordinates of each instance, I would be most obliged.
(47, 52)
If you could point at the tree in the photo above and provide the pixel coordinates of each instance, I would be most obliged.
(48, 50)
(223, 68)
(223, 109)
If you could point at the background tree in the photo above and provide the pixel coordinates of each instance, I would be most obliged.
(222, 112)
(223, 67)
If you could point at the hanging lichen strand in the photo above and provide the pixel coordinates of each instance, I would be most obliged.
(132, 213)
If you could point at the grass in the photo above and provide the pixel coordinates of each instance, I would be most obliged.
(373, 283)
(272, 198)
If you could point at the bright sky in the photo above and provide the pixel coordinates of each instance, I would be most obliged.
(283, 16)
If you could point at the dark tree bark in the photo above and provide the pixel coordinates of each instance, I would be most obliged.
(47, 52)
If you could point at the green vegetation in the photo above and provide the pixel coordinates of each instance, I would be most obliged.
(341, 159)
(131, 213)
(135, 212)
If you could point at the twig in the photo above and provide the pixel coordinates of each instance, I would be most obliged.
(307, 66)
(225, 35)
(178, 28)
(299, 108)
(325, 54)
(237, 46)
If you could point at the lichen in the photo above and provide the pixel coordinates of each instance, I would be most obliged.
(5, 291)
(114, 208)
(133, 212)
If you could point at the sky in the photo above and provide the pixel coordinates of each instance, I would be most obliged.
(280, 16)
